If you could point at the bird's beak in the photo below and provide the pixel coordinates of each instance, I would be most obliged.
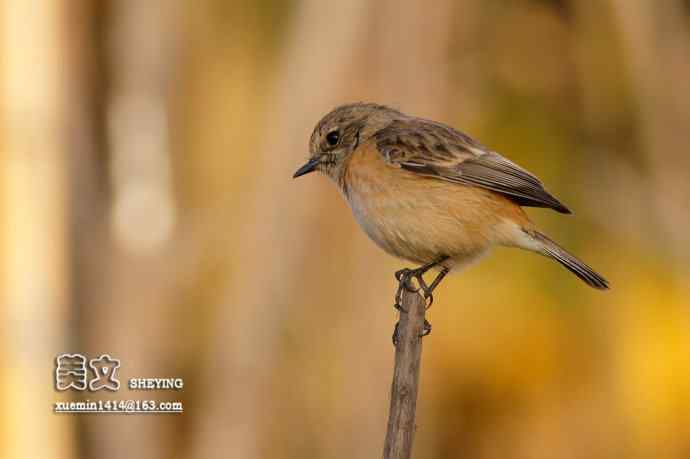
(309, 167)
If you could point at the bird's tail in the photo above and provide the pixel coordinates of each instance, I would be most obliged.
(550, 249)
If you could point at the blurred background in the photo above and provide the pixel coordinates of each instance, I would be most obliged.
(148, 212)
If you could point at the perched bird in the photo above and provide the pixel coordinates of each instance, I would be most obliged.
(428, 193)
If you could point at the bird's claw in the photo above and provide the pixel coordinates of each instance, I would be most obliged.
(396, 331)
(426, 329)
(404, 278)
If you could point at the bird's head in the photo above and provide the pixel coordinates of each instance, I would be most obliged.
(339, 133)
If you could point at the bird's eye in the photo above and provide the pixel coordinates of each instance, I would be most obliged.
(332, 138)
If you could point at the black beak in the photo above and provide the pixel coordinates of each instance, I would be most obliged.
(309, 167)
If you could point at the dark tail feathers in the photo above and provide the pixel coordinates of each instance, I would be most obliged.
(575, 266)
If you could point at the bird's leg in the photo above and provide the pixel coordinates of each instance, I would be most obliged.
(430, 289)
(404, 276)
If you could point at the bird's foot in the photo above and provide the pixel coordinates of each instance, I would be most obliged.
(426, 329)
(405, 277)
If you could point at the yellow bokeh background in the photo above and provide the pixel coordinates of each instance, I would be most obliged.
(148, 212)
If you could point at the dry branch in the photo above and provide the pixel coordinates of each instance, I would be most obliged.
(408, 354)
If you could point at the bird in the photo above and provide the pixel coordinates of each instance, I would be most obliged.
(430, 194)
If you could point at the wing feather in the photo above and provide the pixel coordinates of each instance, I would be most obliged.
(435, 150)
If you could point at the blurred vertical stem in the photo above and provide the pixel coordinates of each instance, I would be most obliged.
(236, 421)
(128, 248)
(34, 280)
(656, 45)
(408, 358)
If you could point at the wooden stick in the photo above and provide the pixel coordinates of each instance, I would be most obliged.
(408, 354)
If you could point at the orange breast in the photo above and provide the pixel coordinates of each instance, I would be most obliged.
(421, 218)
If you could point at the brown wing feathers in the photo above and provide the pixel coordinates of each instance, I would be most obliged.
(496, 173)
(436, 150)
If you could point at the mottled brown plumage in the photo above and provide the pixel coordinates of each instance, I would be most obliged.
(424, 191)
(435, 150)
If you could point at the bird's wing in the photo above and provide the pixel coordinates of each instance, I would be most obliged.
(435, 150)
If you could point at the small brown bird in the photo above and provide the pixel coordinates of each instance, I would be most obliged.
(428, 193)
